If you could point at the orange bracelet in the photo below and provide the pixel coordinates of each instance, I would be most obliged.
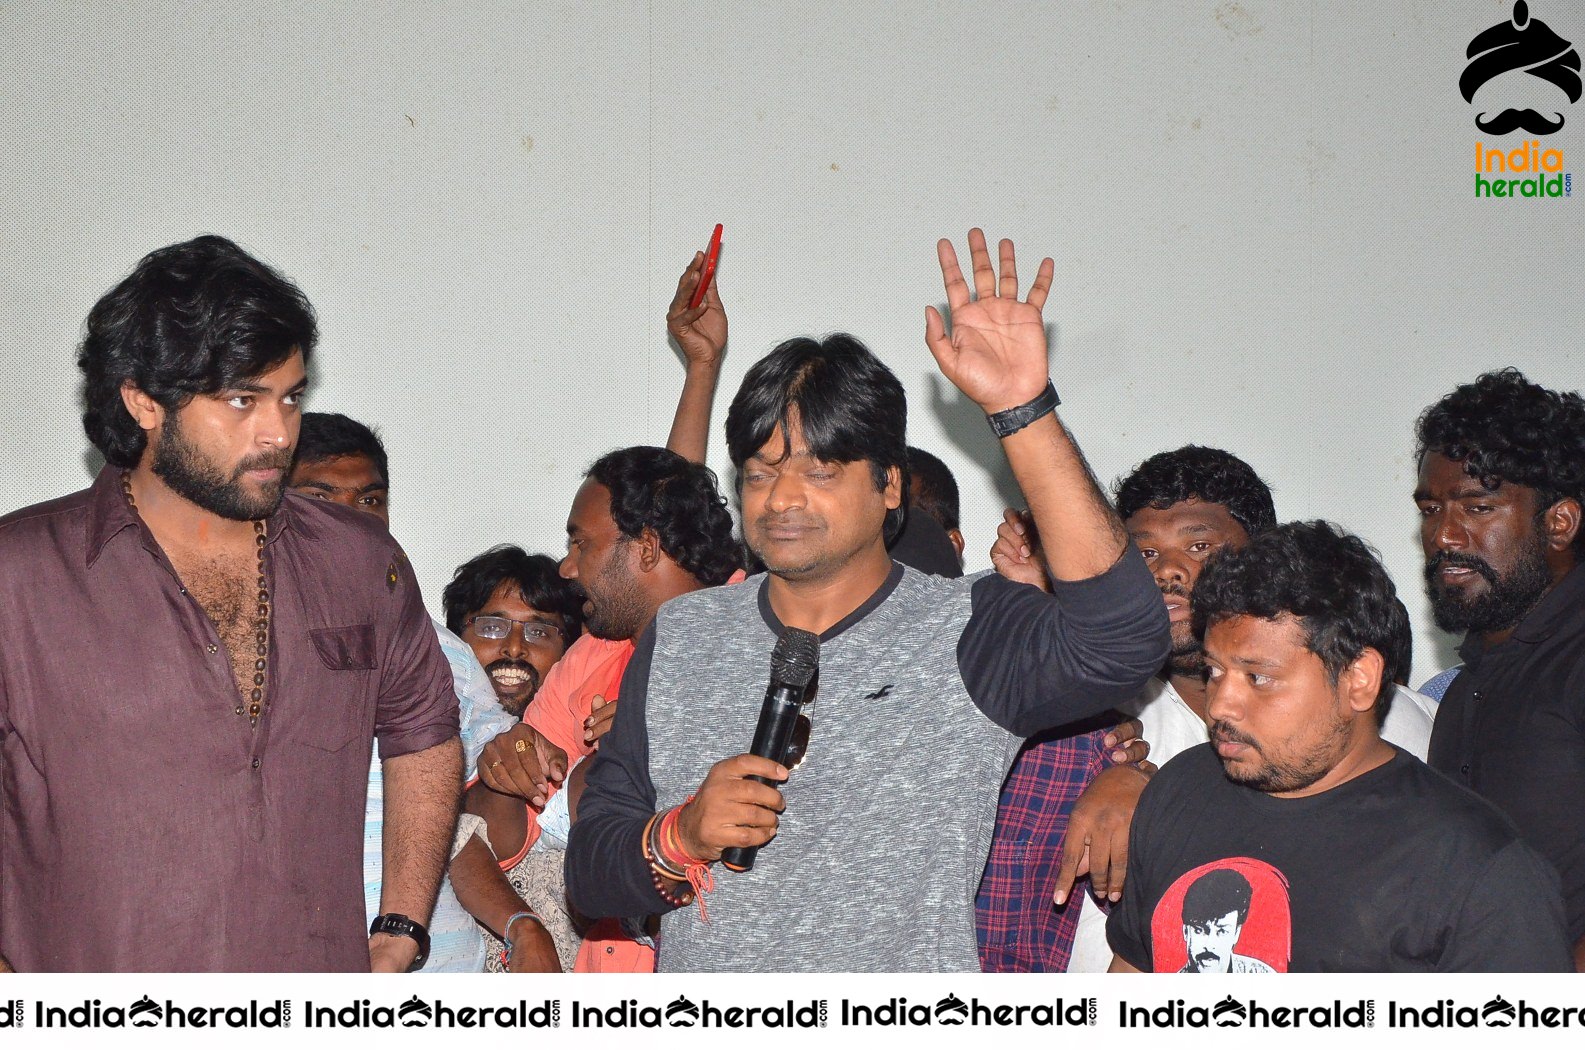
(671, 854)
(658, 875)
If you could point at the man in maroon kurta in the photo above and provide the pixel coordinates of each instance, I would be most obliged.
(170, 798)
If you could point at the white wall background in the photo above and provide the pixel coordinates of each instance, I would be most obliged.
(1261, 214)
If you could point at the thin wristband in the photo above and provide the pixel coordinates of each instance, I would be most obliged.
(1010, 421)
(526, 913)
(506, 929)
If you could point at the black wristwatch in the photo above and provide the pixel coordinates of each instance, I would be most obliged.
(1010, 421)
(401, 926)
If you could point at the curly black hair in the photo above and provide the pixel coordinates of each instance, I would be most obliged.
(935, 487)
(538, 582)
(327, 435)
(1331, 580)
(655, 488)
(1403, 645)
(192, 318)
(1504, 428)
(849, 405)
(1207, 474)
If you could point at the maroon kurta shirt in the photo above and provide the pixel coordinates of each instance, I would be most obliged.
(144, 825)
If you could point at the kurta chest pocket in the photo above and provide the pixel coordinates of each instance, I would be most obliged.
(344, 692)
(346, 648)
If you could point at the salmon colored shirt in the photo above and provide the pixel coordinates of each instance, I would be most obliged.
(591, 667)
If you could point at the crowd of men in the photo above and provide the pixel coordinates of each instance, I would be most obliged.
(1165, 733)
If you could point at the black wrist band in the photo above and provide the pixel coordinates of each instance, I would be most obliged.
(401, 926)
(1011, 421)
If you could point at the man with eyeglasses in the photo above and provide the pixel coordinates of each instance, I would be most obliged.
(340, 460)
(517, 615)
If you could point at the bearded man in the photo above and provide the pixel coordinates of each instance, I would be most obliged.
(1501, 486)
(191, 797)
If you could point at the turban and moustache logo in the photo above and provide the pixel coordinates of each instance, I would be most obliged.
(1527, 44)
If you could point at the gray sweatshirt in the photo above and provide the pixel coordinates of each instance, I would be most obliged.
(924, 694)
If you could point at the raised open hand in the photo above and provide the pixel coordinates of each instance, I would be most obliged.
(699, 330)
(996, 352)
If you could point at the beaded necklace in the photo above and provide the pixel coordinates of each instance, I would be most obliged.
(261, 636)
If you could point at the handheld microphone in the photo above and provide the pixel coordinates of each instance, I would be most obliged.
(792, 665)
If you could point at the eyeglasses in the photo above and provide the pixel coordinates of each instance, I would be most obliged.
(495, 628)
(798, 747)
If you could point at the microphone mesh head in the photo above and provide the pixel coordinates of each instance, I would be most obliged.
(796, 657)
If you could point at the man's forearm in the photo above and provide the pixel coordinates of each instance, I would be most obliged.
(1080, 533)
(482, 888)
(607, 876)
(422, 791)
(690, 428)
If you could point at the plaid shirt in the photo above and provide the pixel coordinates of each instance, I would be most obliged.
(1020, 930)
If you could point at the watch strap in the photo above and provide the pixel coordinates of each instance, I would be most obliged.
(397, 925)
(1010, 421)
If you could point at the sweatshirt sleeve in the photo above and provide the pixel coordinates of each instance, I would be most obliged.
(1032, 660)
(607, 876)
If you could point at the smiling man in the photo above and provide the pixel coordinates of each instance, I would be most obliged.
(1335, 832)
(517, 615)
(192, 799)
(342, 461)
(1500, 492)
(926, 686)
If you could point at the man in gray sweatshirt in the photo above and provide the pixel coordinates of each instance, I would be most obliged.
(926, 686)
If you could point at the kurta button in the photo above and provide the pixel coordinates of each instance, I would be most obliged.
(215, 649)
(182, 589)
(1464, 769)
(239, 709)
(255, 763)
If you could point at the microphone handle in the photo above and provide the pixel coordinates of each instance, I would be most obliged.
(778, 717)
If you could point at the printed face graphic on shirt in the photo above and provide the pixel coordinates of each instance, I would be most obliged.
(1210, 941)
(1231, 915)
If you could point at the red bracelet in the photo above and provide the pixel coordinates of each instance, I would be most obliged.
(658, 875)
(670, 855)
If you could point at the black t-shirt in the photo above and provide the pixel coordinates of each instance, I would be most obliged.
(1398, 869)
(1512, 729)
(924, 545)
